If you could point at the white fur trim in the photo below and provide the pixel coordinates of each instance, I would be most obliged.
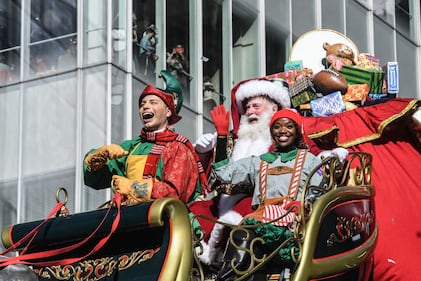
(231, 217)
(213, 247)
(274, 89)
(204, 257)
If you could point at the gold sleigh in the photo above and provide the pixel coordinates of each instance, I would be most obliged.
(334, 237)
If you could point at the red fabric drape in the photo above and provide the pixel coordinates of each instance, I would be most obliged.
(382, 131)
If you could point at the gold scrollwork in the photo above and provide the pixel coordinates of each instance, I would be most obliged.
(93, 270)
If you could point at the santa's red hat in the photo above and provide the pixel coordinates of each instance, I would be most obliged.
(275, 89)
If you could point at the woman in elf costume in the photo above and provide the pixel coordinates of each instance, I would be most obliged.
(275, 179)
(159, 162)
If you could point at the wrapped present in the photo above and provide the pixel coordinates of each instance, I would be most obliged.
(358, 75)
(302, 91)
(293, 65)
(357, 93)
(392, 78)
(304, 84)
(328, 105)
(368, 61)
(303, 97)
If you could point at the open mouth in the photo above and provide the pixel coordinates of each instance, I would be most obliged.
(283, 138)
(253, 119)
(147, 116)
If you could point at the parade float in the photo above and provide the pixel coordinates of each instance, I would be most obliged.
(347, 232)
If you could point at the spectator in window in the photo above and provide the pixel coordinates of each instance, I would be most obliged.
(147, 51)
(178, 65)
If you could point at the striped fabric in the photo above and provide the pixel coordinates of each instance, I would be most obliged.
(276, 211)
(272, 212)
(263, 180)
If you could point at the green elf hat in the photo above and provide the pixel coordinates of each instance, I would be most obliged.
(173, 87)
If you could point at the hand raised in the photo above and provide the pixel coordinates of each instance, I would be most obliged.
(220, 119)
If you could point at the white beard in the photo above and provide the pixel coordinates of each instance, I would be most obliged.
(253, 139)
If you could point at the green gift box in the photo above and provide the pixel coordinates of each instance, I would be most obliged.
(303, 97)
(358, 75)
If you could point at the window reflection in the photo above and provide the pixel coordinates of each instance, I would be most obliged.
(118, 33)
(177, 57)
(53, 29)
(4, 69)
(146, 35)
(10, 24)
(245, 40)
(212, 55)
(276, 26)
(404, 18)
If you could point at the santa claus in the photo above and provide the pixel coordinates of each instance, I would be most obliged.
(253, 103)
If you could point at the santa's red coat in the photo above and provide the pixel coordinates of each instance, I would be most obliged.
(383, 131)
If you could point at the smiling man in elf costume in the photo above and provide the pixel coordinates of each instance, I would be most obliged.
(159, 162)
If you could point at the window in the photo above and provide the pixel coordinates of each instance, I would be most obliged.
(94, 32)
(52, 37)
(10, 50)
(303, 17)
(356, 22)
(405, 18)
(147, 36)
(177, 47)
(407, 52)
(118, 33)
(245, 40)
(383, 41)
(212, 55)
(277, 34)
(332, 15)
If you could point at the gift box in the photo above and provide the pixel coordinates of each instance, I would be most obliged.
(358, 75)
(357, 93)
(303, 97)
(302, 91)
(328, 105)
(293, 65)
(368, 61)
(304, 84)
(392, 77)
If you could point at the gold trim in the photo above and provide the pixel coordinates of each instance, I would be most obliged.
(93, 270)
(344, 182)
(308, 267)
(371, 137)
(179, 259)
(322, 133)
(5, 237)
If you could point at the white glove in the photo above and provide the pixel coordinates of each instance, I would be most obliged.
(205, 143)
(341, 152)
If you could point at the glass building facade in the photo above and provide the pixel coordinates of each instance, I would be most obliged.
(71, 72)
